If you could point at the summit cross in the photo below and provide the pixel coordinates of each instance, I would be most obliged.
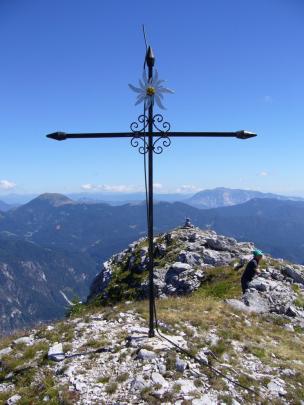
(150, 134)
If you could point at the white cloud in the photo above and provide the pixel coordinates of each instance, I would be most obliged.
(87, 187)
(187, 188)
(7, 185)
(125, 188)
(263, 174)
(108, 188)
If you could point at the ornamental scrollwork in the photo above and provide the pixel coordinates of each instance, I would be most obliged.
(140, 138)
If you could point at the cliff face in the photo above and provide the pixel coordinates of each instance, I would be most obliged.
(36, 283)
(239, 349)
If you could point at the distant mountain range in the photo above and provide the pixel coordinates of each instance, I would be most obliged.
(97, 197)
(5, 207)
(225, 197)
(67, 241)
(213, 198)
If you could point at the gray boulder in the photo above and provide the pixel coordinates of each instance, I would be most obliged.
(181, 278)
(295, 273)
(139, 383)
(180, 365)
(255, 300)
(191, 258)
(216, 258)
(221, 243)
(56, 353)
(144, 354)
(13, 400)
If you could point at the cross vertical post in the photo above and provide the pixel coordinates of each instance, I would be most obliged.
(150, 63)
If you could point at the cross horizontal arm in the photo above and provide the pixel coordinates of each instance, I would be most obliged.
(236, 134)
(61, 136)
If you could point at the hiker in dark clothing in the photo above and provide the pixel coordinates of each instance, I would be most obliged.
(251, 269)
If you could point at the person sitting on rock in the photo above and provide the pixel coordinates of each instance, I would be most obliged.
(251, 269)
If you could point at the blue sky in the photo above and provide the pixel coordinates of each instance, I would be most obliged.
(66, 65)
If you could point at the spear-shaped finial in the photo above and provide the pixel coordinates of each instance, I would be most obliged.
(150, 59)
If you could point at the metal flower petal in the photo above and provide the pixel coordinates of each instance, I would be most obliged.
(158, 102)
(136, 89)
(165, 90)
(140, 100)
(150, 89)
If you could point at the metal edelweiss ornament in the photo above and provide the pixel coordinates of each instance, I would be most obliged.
(150, 90)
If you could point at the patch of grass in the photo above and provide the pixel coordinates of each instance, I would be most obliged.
(20, 358)
(147, 396)
(299, 301)
(176, 388)
(298, 329)
(67, 397)
(198, 382)
(122, 377)
(97, 343)
(171, 361)
(247, 381)
(216, 382)
(295, 288)
(226, 399)
(257, 351)
(104, 379)
(220, 282)
(4, 396)
(295, 396)
(111, 388)
(173, 249)
(220, 347)
(76, 309)
(63, 331)
(126, 280)
(67, 347)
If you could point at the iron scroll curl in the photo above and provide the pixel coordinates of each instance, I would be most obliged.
(135, 142)
(138, 128)
(159, 119)
(165, 143)
(139, 139)
(142, 119)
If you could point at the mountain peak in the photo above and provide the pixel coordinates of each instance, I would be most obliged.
(53, 199)
(223, 197)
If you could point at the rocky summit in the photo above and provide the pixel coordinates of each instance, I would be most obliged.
(213, 345)
(181, 258)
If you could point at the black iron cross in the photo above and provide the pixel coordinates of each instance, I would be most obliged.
(150, 134)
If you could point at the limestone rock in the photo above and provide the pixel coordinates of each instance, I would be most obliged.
(55, 352)
(159, 379)
(181, 278)
(13, 400)
(186, 386)
(297, 274)
(180, 365)
(144, 354)
(5, 351)
(276, 387)
(27, 340)
(139, 383)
